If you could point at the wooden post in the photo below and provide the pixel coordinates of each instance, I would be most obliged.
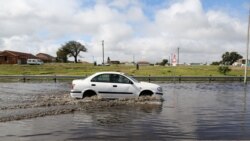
(24, 79)
(137, 66)
(55, 78)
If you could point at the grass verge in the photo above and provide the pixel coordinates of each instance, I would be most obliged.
(87, 69)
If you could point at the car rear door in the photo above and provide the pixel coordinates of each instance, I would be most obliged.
(102, 85)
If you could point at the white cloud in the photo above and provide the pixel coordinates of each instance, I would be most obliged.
(28, 44)
(43, 26)
(135, 14)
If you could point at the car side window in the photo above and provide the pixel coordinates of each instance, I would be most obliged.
(101, 78)
(116, 78)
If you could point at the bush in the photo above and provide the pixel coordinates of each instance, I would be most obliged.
(215, 63)
(224, 69)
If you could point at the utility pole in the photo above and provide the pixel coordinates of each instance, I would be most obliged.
(178, 53)
(170, 61)
(246, 61)
(103, 52)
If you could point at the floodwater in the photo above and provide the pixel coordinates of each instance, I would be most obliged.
(193, 111)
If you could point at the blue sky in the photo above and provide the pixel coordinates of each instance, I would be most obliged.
(149, 29)
(234, 7)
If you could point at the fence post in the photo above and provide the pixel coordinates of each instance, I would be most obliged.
(24, 79)
(179, 78)
(210, 78)
(149, 78)
(55, 78)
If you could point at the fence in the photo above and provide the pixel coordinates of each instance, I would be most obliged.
(56, 78)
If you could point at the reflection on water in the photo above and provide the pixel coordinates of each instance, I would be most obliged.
(190, 111)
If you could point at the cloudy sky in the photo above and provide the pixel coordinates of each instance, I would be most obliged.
(149, 30)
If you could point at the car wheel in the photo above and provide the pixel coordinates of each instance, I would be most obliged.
(89, 93)
(146, 93)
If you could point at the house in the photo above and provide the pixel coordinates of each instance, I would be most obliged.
(114, 62)
(143, 63)
(196, 64)
(241, 63)
(129, 63)
(14, 57)
(46, 58)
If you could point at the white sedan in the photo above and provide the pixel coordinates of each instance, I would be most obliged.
(113, 85)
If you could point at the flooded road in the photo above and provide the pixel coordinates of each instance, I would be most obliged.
(44, 111)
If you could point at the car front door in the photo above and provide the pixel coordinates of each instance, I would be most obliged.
(122, 86)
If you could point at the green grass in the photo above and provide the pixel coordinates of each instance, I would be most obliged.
(87, 69)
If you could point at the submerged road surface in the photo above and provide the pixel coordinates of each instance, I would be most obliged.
(44, 111)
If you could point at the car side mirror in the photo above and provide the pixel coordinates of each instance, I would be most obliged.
(130, 82)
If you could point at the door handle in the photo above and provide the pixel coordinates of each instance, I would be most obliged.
(93, 85)
(114, 85)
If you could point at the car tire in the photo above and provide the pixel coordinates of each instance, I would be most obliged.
(146, 93)
(89, 93)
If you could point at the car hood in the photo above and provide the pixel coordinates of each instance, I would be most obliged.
(146, 85)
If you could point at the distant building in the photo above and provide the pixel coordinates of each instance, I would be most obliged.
(241, 63)
(196, 64)
(14, 57)
(110, 62)
(129, 63)
(143, 63)
(46, 58)
(114, 62)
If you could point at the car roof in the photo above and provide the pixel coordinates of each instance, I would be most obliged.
(108, 72)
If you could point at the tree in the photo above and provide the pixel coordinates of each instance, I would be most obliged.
(215, 63)
(224, 69)
(163, 63)
(62, 55)
(228, 58)
(108, 60)
(73, 48)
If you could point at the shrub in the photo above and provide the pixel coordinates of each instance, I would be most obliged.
(215, 63)
(224, 69)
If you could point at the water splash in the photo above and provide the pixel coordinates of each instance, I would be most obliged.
(63, 104)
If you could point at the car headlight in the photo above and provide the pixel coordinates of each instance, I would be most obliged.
(159, 89)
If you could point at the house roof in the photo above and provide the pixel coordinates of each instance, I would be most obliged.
(45, 55)
(15, 53)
